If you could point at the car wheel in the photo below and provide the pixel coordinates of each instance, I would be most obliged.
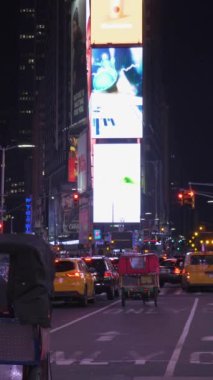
(156, 296)
(84, 300)
(111, 293)
(92, 299)
(185, 286)
(123, 298)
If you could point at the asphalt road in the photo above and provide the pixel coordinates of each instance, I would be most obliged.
(105, 341)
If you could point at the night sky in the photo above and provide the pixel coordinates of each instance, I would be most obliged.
(8, 60)
(188, 62)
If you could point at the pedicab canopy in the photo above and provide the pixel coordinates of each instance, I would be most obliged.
(138, 264)
(26, 278)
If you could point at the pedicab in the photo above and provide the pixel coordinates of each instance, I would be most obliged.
(139, 277)
(26, 286)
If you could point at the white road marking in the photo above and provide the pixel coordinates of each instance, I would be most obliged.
(176, 311)
(91, 360)
(178, 292)
(59, 358)
(141, 360)
(195, 357)
(207, 339)
(82, 318)
(177, 351)
(113, 311)
(107, 336)
(134, 311)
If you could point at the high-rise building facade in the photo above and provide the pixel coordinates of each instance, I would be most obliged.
(54, 93)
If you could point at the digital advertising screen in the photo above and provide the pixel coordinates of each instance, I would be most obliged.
(116, 22)
(72, 160)
(78, 64)
(82, 162)
(116, 102)
(116, 192)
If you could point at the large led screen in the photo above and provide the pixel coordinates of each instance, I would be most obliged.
(116, 22)
(116, 193)
(116, 99)
(82, 162)
(79, 66)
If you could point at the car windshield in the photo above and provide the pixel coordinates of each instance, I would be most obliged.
(202, 259)
(168, 263)
(99, 265)
(64, 266)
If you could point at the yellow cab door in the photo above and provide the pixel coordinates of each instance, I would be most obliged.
(200, 269)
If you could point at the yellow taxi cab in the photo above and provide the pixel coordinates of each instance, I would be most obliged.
(73, 281)
(198, 270)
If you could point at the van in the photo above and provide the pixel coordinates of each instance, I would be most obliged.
(198, 270)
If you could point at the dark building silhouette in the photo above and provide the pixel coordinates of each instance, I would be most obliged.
(43, 117)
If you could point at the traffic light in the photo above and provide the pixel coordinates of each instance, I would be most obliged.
(180, 198)
(186, 197)
(1, 227)
(189, 198)
(75, 197)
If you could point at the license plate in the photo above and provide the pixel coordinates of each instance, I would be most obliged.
(210, 275)
(164, 270)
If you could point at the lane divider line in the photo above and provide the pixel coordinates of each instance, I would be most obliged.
(179, 346)
(82, 318)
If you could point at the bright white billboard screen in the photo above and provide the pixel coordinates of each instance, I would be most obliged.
(116, 101)
(116, 22)
(116, 193)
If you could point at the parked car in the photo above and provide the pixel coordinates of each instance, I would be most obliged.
(198, 270)
(106, 276)
(73, 281)
(171, 271)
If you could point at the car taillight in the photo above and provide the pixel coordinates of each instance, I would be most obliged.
(87, 259)
(177, 271)
(75, 274)
(107, 274)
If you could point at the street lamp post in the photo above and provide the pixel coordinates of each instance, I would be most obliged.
(3, 149)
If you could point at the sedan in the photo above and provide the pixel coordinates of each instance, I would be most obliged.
(171, 271)
(73, 281)
(105, 274)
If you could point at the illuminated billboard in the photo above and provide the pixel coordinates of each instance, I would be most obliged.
(82, 162)
(116, 100)
(78, 64)
(116, 22)
(72, 160)
(116, 193)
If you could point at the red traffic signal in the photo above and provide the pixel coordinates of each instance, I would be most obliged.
(75, 198)
(180, 198)
(189, 198)
(1, 227)
(186, 197)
